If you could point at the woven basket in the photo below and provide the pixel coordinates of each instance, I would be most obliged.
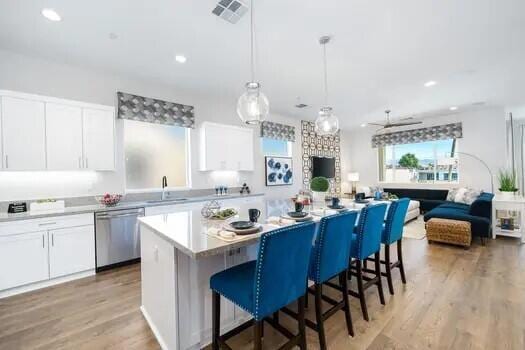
(449, 231)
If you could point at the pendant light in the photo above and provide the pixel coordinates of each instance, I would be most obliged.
(253, 106)
(326, 123)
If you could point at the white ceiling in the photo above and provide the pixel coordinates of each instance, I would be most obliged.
(382, 52)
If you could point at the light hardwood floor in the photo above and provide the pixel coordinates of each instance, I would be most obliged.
(454, 299)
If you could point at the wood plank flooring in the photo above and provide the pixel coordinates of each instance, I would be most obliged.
(454, 299)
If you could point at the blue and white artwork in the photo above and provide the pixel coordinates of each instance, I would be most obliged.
(279, 171)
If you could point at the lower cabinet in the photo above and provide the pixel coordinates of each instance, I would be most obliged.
(37, 250)
(71, 250)
(23, 259)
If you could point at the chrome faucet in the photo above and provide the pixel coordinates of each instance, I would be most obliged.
(164, 186)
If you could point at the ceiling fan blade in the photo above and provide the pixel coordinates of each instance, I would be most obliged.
(405, 124)
(378, 124)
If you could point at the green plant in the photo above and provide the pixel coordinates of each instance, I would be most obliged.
(319, 184)
(507, 181)
(409, 160)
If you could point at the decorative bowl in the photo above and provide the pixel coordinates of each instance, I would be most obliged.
(109, 200)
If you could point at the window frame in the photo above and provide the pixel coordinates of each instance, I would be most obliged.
(187, 135)
(289, 148)
(382, 161)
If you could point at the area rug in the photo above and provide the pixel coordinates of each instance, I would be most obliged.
(415, 229)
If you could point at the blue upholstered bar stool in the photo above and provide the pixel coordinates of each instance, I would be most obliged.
(366, 241)
(329, 259)
(261, 287)
(392, 233)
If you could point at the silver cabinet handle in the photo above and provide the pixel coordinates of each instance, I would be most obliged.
(47, 223)
(6, 161)
(87, 164)
(80, 162)
(43, 243)
(52, 239)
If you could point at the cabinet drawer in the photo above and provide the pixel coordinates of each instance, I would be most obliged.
(43, 224)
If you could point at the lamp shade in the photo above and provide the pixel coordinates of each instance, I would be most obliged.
(353, 177)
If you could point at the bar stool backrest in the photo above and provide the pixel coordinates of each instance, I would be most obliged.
(395, 221)
(369, 230)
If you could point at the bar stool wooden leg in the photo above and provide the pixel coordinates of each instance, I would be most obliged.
(302, 323)
(319, 315)
(344, 285)
(216, 319)
(379, 279)
(400, 259)
(361, 290)
(388, 269)
(257, 335)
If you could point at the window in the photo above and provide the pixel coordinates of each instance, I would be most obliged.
(424, 162)
(153, 151)
(272, 147)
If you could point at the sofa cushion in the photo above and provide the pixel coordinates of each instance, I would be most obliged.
(413, 205)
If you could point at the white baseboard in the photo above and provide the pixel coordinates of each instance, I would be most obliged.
(43, 284)
(154, 329)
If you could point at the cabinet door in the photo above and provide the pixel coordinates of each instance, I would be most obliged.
(99, 139)
(23, 259)
(23, 134)
(71, 250)
(243, 149)
(63, 137)
(214, 147)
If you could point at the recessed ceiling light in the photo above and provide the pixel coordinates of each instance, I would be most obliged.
(363, 125)
(113, 36)
(51, 15)
(454, 108)
(430, 83)
(180, 58)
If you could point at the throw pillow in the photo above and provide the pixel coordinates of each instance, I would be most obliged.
(460, 195)
(452, 194)
(471, 195)
(463, 195)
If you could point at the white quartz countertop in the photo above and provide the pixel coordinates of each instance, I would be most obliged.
(186, 229)
(122, 205)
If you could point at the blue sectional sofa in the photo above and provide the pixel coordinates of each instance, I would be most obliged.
(479, 214)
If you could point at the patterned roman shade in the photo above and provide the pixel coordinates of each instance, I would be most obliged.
(441, 132)
(278, 131)
(150, 110)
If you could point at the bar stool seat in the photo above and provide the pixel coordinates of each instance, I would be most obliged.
(236, 284)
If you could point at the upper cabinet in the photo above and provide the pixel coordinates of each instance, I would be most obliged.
(99, 140)
(226, 147)
(63, 128)
(23, 131)
(45, 133)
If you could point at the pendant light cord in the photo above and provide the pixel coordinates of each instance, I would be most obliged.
(325, 76)
(251, 42)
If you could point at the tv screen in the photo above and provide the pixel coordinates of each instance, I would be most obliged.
(322, 166)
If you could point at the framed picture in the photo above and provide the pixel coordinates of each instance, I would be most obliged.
(278, 171)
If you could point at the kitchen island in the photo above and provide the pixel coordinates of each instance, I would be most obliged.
(178, 259)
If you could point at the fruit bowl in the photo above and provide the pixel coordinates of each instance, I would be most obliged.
(109, 200)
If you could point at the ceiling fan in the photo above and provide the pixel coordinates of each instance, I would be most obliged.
(390, 124)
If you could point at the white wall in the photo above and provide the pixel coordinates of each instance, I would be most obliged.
(483, 136)
(33, 75)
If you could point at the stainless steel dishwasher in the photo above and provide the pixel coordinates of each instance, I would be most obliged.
(117, 237)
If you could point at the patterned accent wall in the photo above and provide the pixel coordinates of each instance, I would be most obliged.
(321, 146)
(150, 110)
(277, 131)
(440, 132)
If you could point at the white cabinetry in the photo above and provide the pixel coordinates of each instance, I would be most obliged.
(23, 134)
(46, 133)
(99, 139)
(63, 137)
(226, 147)
(34, 252)
(23, 259)
(71, 250)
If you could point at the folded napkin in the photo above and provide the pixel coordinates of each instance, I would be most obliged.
(215, 231)
(275, 220)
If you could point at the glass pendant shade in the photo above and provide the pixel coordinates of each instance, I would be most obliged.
(253, 106)
(326, 123)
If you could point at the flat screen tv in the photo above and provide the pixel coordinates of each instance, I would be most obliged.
(323, 166)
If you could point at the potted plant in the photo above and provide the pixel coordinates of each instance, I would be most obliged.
(507, 183)
(319, 186)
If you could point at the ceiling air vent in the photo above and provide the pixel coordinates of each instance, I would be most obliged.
(301, 105)
(230, 10)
